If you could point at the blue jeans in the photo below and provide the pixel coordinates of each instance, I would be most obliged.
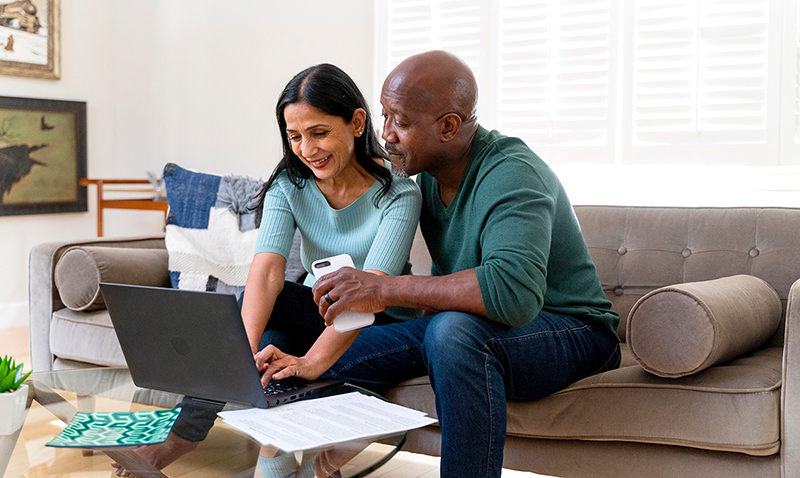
(474, 366)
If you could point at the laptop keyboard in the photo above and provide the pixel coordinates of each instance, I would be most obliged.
(275, 387)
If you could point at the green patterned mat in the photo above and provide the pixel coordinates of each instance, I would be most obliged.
(107, 429)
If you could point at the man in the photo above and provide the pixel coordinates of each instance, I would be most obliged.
(515, 306)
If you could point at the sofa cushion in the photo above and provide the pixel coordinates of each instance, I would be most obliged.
(629, 404)
(85, 337)
(681, 329)
(80, 270)
(212, 228)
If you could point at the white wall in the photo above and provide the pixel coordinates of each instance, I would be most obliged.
(181, 81)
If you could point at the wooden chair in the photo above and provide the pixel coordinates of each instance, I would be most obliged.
(150, 201)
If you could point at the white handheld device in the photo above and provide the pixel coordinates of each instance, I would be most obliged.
(345, 321)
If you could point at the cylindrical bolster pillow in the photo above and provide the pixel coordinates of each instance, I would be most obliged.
(682, 329)
(81, 269)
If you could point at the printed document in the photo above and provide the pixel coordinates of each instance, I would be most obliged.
(315, 423)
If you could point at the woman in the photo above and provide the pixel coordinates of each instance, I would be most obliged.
(335, 185)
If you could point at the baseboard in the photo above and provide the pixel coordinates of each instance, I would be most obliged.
(13, 314)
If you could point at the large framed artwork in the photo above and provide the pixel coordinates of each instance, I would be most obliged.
(42, 156)
(30, 43)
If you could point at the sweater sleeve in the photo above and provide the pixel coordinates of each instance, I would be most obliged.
(399, 218)
(276, 232)
(518, 207)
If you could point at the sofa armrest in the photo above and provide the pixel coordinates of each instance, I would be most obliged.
(790, 392)
(43, 297)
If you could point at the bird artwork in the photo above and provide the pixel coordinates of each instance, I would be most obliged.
(45, 126)
(16, 163)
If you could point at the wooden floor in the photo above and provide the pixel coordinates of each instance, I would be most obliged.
(15, 342)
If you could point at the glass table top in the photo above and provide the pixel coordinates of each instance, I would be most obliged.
(54, 397)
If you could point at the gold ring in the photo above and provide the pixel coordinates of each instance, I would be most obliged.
(296, 371)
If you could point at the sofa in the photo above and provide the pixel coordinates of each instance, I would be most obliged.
(736, 415)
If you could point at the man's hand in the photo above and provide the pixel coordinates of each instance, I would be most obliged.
(349, 290)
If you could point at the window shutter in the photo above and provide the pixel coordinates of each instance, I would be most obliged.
(415, 26)
(790, 86)
(554, 72)
(703, 82)
(694, 82)
(796, 82)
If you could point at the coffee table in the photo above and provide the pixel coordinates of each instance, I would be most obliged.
(54, 398)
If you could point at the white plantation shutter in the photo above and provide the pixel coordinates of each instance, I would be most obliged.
(703, 73)
(634, 82)
(545, 68)
(796, 75)
(415, 26)
(790, 115)
(554, 71)
(700, 71)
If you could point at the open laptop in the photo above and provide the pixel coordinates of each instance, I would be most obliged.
(194, 343)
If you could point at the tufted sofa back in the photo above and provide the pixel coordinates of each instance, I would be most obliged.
(638, 249)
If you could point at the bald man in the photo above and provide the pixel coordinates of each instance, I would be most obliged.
(515, 306)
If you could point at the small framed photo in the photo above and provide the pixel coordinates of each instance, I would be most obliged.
(30, 43)
(42, 156)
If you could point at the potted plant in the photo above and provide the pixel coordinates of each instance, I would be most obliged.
(13, 396)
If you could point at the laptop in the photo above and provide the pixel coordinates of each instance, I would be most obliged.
(194, 343)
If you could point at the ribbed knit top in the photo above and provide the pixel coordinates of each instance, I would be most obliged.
(377, 238)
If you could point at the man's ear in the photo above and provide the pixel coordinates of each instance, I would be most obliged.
(449, 126)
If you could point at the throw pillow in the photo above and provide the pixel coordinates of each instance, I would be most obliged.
(80, 270)
(212, 229)
(682, 329)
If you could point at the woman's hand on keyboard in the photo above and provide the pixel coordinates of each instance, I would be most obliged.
(273, 364)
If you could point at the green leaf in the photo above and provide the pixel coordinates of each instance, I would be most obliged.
(19, 382)
(6, 383)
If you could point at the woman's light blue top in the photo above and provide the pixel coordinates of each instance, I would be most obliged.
(377, 238)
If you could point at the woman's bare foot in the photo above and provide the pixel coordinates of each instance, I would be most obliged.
(161, 454)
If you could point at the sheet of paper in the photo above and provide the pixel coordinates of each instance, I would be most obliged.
(314, 423)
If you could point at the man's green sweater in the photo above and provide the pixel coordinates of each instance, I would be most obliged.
(512, 222)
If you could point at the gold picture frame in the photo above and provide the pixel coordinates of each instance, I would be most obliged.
(30, 38)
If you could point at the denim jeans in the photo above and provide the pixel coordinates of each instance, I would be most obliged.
(474, 366)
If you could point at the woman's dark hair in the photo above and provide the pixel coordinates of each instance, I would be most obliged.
(329, 89)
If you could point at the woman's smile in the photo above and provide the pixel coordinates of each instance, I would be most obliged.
(321, 163)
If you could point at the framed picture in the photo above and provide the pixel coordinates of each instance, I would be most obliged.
(30, 44)
(42, 156)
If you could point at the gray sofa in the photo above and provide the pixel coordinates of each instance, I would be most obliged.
(737, 418)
